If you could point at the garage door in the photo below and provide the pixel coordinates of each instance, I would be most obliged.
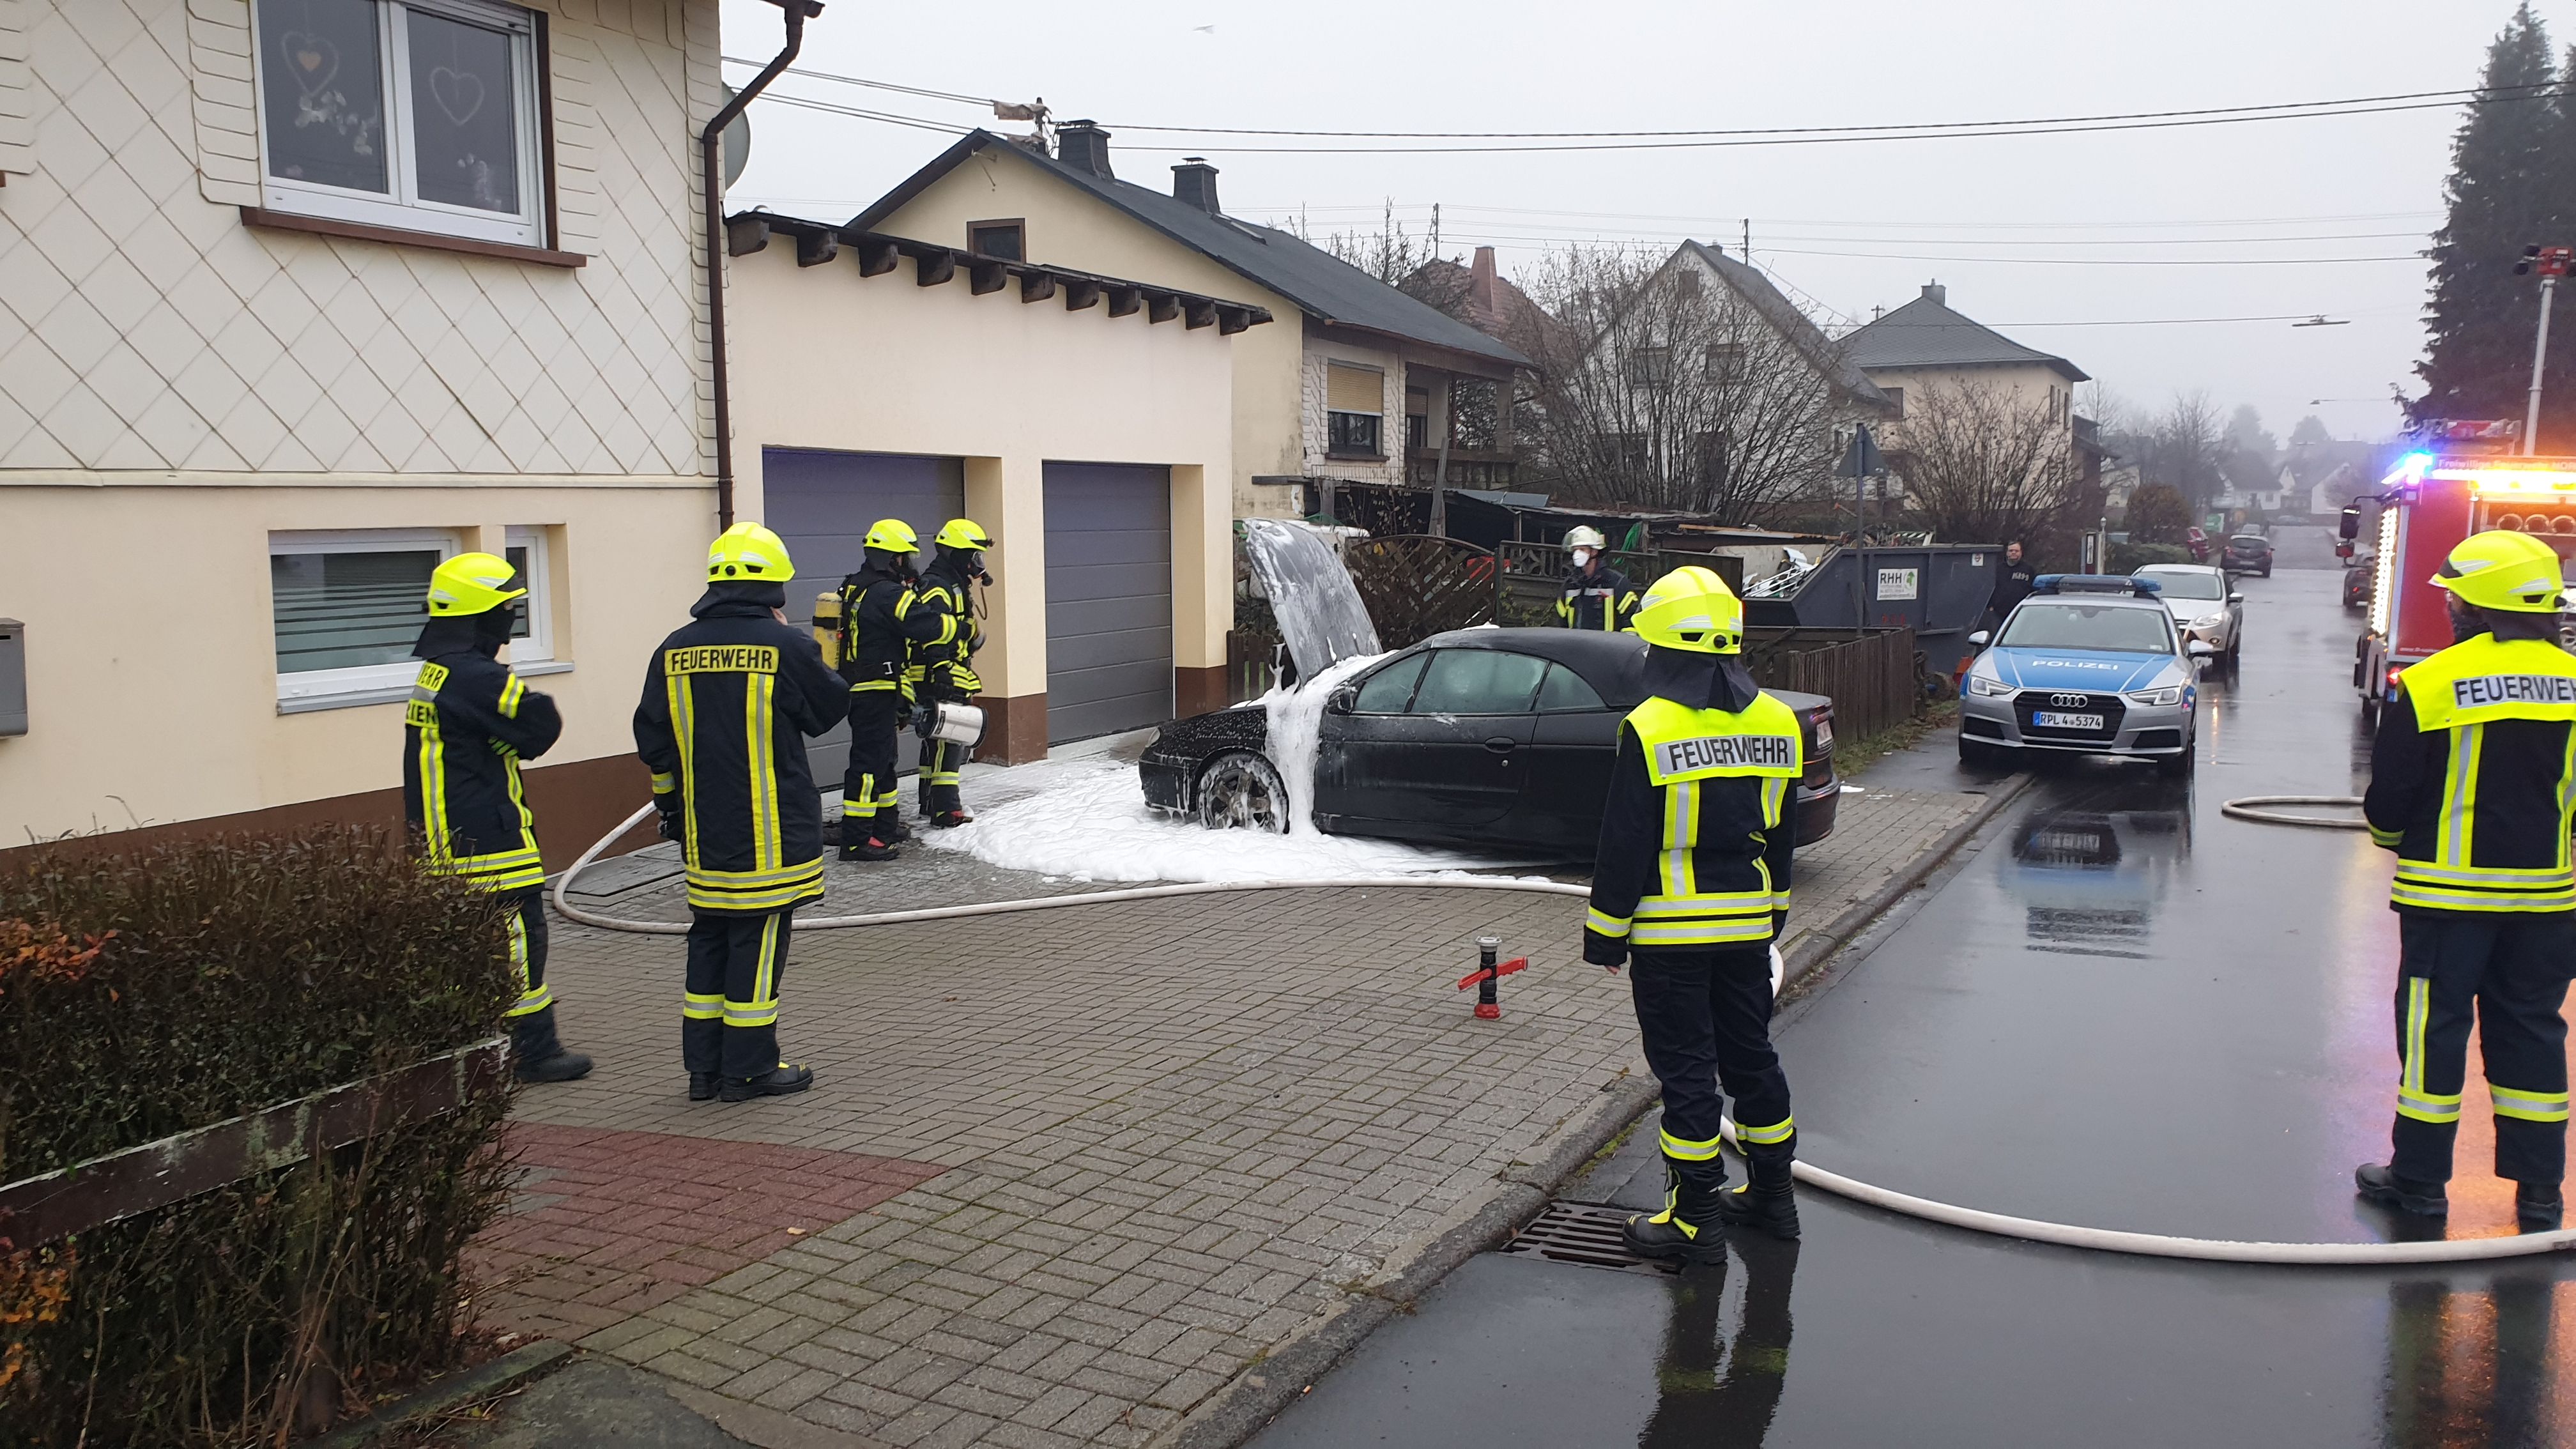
(820, 504)
(1109, 598)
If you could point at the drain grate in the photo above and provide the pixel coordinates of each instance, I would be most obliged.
(1582, 1232)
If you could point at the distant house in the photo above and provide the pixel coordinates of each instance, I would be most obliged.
(2320, 478)
(1924, 345)
(1323, 395)
(1483, 454)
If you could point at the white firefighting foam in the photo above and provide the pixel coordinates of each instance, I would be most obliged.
(1087, 820)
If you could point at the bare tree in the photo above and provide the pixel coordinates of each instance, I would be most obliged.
(1661, 386)
(2187, 448)
(1984, 462)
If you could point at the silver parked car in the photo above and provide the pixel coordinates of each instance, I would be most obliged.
(2205, 606)
(2088, 664)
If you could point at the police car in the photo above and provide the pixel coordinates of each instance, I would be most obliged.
(2087, 664)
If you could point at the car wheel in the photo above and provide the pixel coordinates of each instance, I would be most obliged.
(1241, 791)
(2175, 767)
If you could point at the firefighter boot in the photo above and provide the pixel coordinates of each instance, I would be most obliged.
(1767, 1201)
(867, 848)
(540, 1054)
(779, 1081)
(702, 1086)
(2381, 1184)
(950, 819)
(2538, 1207)
(1687, 1229)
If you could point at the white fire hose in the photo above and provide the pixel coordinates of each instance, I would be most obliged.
(1973, 1219)
(2249, 807)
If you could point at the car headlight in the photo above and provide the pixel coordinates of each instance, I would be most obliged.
(2169, 695)
(2209, 621)
(1979, 684)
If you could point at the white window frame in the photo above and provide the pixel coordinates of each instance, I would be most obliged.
(539, 646)
(364, 683)
(402, 208)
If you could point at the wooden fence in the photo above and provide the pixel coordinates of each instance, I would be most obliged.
(1872, 679)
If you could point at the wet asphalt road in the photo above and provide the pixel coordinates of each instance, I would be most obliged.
(2122, 1010)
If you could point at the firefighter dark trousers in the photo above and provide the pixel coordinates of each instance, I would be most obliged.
(1706, 1019)
(729, 1023)
(532, 1016)
(2513, 968)
(941, 760)
(869, 800)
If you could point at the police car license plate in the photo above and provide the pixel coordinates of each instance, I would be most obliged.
(2049, 720)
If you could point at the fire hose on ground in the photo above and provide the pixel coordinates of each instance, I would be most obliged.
(2067, 1235)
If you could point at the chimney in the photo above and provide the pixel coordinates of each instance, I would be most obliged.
(1194, 183)
(1083, 146)
(1933, 292)
(1483, 297)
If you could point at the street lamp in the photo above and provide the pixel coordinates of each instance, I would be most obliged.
(2551, 263)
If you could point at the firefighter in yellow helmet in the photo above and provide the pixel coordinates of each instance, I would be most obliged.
(1692, 880)
(1596, 596)
(467, 726)
(2470, 786)
(882, 621)
(944, 663)
(729, 701)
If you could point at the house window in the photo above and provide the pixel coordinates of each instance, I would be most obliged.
(346, 609)
(532, 634)
(1002, 239)
(1895, 400)
(1648, 366)
(414, 114)
(1354, 411)
(1725, 359)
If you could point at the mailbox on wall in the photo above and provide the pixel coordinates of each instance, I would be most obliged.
(13, 677)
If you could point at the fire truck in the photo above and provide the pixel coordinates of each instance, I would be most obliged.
(2435, 497)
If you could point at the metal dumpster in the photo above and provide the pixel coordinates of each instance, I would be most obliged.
(1939, 591)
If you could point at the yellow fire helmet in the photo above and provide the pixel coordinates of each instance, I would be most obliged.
(472, 583)
(1692, 608)
(2503, 570)
(748, 554)
(893, 535)
(964, 533)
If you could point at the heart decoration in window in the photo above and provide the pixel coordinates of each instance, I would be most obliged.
(312, 59)
(459, 93)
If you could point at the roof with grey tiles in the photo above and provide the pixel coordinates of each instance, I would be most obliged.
(1926, 333)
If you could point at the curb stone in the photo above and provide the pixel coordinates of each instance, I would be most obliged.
(1263, 1390)
(455, 1391)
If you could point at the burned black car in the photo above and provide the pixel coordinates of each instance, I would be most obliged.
(1482, 738)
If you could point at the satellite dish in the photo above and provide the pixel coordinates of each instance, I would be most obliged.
(737, 143)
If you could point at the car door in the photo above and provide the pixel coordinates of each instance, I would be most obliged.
(1472, 722)
(1359, 749)
(1574, 740)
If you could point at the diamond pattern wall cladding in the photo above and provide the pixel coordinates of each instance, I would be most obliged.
(143, 326)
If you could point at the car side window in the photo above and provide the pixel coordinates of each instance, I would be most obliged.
(1390, 689)
(1479, 681)
(1565, 691)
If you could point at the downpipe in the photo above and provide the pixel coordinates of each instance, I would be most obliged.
(2033, 1230)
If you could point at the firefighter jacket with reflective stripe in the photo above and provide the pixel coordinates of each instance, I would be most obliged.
(1697, 831)
(943, 656)
(467, 725)
(1604, 600)
(882, 621)
(728, 702)
(2473, 776)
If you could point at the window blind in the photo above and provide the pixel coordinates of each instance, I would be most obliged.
(1354, 389)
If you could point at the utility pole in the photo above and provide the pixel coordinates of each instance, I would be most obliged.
(2551, 263)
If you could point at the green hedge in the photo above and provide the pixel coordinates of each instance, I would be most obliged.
(146, 993)
(2130, 557)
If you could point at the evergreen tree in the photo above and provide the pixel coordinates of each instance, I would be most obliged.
(2504, 195)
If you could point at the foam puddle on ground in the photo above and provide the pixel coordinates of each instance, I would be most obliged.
(1087, 821)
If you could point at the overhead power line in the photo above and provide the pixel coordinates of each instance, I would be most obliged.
(2104, 261)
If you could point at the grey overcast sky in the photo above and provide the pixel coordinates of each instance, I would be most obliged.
(2024, 231)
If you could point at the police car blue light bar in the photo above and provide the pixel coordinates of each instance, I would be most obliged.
(2095, 584)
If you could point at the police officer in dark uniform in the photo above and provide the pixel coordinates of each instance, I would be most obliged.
(2470, 787)
(2012, 586)
(943, 663)
(1596, 595)
(1692, 878)
(882, 620)
(729, 701)
(467, 726)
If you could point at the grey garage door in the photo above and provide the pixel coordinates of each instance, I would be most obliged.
(821, 504)
(1109, 598)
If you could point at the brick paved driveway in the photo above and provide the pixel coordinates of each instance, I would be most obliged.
(1065, 1172)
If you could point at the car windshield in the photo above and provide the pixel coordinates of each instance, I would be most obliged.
(2186, 583)
(2065, 624)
